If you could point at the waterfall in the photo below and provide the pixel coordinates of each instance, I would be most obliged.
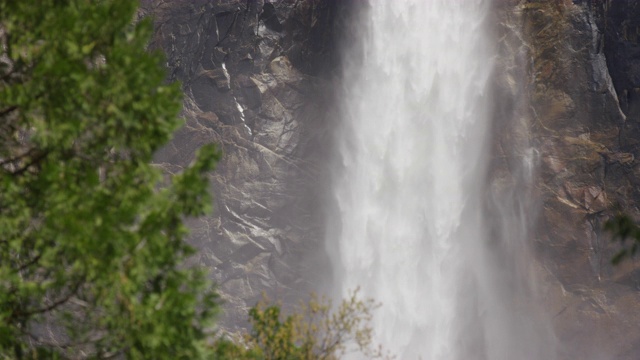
(410, 226)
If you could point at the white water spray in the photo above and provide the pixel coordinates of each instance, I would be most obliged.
(411, 180)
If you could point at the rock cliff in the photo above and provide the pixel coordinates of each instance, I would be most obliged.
(258, 79)
(567, 80)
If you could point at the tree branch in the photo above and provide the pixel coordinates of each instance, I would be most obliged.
(54, 305)
(33, 161)
(8, 110)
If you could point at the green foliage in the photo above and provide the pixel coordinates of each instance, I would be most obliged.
(91, 235)
(623, 228)
(315, 331)
(275, 337)
(228, 350)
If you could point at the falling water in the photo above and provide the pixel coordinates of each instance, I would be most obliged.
(410, 183)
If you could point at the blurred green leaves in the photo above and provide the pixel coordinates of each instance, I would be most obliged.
(625, 231)
(91, 235)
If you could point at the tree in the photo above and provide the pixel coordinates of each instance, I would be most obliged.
(91, 234)
(314, 331)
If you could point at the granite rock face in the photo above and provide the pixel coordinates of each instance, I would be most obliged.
(567, 72)
(259, 76)
(256, 77)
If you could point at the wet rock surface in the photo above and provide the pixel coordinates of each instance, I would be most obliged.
(574, 121)
(256, 76)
